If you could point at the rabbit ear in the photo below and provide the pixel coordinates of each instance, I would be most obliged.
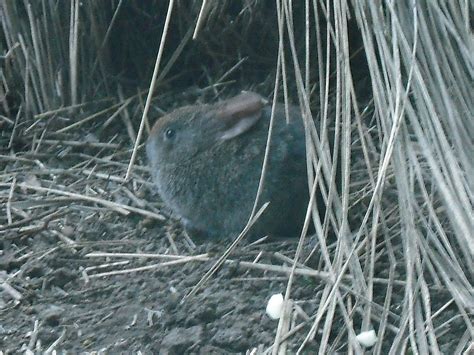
(239, 114)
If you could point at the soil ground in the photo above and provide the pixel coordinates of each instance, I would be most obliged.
(137, 311)
(53, 295)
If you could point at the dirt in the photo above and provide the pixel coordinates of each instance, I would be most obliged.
(142, 311)
(53, 298)
(137, 311)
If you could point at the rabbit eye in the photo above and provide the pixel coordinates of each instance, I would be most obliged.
(170, 133)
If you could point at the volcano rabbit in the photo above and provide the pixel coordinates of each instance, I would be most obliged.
(206, 161)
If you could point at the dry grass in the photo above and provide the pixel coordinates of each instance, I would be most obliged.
(401, 127)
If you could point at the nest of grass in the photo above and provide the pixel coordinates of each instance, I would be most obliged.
(81, 224)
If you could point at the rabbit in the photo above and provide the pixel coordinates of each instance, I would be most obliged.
(206, 163)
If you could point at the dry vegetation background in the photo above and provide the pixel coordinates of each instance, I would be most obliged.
(391, 83)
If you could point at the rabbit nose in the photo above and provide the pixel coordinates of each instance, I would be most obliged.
(151, 150)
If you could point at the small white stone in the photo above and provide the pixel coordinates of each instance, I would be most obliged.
(275, 306)
(367, 339)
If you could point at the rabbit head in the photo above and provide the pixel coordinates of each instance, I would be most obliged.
(188, 131)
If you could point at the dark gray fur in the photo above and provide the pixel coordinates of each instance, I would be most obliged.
(211, 182)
